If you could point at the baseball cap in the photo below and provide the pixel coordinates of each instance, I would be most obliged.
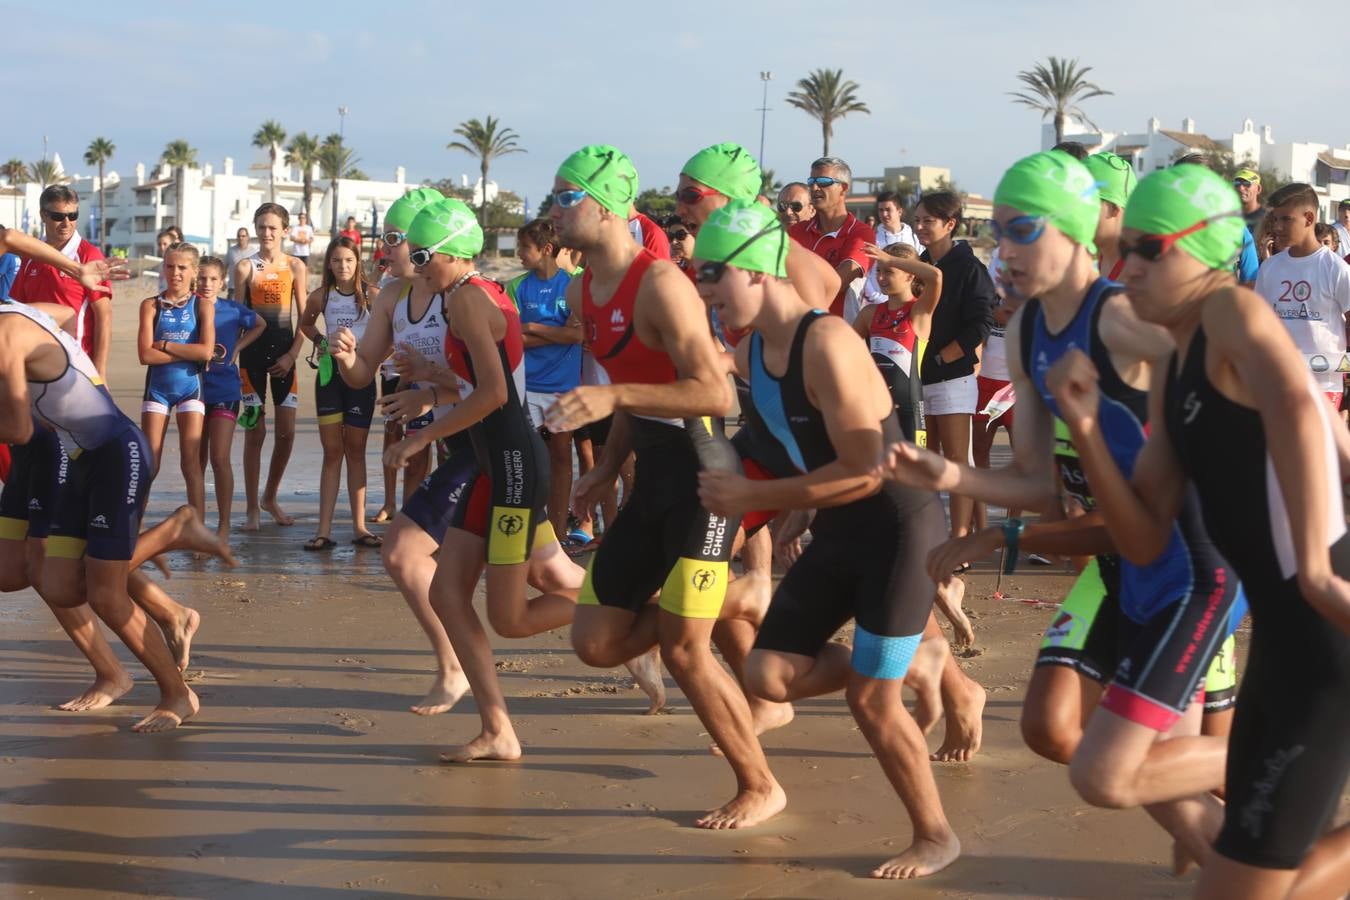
(1247, 176)
(1344, 203)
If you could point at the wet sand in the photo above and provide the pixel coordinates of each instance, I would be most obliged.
(304, 775)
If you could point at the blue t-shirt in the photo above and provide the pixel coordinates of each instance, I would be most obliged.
(1247, 263)
(9, 270)
(552, 368)
(222, 378)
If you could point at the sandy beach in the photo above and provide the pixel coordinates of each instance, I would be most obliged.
(304, 775)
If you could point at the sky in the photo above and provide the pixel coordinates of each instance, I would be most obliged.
(659, 80)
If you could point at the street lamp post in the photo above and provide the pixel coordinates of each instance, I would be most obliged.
(765, 77)
(342, 122)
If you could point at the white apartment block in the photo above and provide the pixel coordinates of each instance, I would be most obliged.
(1324, 167)
(216, 203)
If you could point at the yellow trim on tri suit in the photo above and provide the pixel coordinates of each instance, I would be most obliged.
(13, 529)
(695, 588)
(62, 547)
(506, 536)
(1222, 674)
(331, 419)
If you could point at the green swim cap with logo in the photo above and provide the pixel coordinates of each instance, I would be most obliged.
(1172, 200)
(1115, 177)
(447, 218)
(1058, 187)
(747, 235)
(728, 169)
(605, 173)
(405, 208)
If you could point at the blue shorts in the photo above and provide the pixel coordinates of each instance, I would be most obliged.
(168, 389)
(98, 512)
(441, 501)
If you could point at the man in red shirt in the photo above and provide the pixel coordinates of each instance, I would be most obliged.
(40, 283)
(352, 232)
(835, 234)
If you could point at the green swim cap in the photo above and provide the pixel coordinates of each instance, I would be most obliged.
(447, 217)
(606, 174)
(1172, 200)
(1115, 176)
(723, 238)
(1057, 186)
(728, 169)
(406, 208)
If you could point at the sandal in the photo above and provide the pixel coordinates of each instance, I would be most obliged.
(319, 542)
(368, 540)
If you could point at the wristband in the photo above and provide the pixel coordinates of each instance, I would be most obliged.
(1012, 535)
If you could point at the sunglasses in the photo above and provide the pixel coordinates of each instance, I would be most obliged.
(1022, 230)
(677, 235)
(823, 181)
(1152, 247)
(62, 216)
(691, 195)
(794, 206)
(712, 272)
(394, 238)
(569, 199)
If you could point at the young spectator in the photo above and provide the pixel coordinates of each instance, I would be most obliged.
(177, 338)
(237, 326)
(1327, 237)
(891, 230)
(344, 412)
(1308, 286)
(1342, 225)
(961, 323)
(835, 234)
(552, 336)
(351, 232)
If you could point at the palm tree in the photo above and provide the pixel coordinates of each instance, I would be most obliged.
(179, 155)
(44, 172)
(336, 160)
(303, 152)
(1056, 90)
(485, 141)
(16, 170)
(270, 136)
(825, 95)
(100, 150)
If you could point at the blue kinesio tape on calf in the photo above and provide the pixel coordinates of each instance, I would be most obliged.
(875, 656)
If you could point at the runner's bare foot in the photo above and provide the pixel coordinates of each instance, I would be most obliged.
(923, 857)
(100, 694)
(194, 535)
(965, 726)
(1182, 861)
(169, 715)
(646, 671)
(501, 746)
(279, 514)
(386, 514)
(163, 565)
(253, 520)
(950, 595)
(444, 694)
(179, 638)
(746, 810)
(924, 678)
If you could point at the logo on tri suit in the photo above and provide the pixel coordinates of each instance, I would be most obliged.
(133, 471)
(1191, 404)
(1061, 628)
(703, 580)
(510, 524)
(99, 522)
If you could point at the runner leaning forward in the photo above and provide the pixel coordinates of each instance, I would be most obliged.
(829, 411)
(1157, 627)
(651, 343)
(1235, 379)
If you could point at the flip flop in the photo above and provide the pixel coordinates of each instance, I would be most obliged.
(319, 542)
(368, 540)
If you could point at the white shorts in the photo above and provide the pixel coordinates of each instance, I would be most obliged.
(535, 403)
(958, 397)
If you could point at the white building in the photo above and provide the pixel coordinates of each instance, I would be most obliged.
(1324, 167)
(217, 202)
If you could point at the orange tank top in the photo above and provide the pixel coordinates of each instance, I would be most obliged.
(269, 292)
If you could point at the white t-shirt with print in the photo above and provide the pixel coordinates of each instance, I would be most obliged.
(1311, 295)
(306, 231)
